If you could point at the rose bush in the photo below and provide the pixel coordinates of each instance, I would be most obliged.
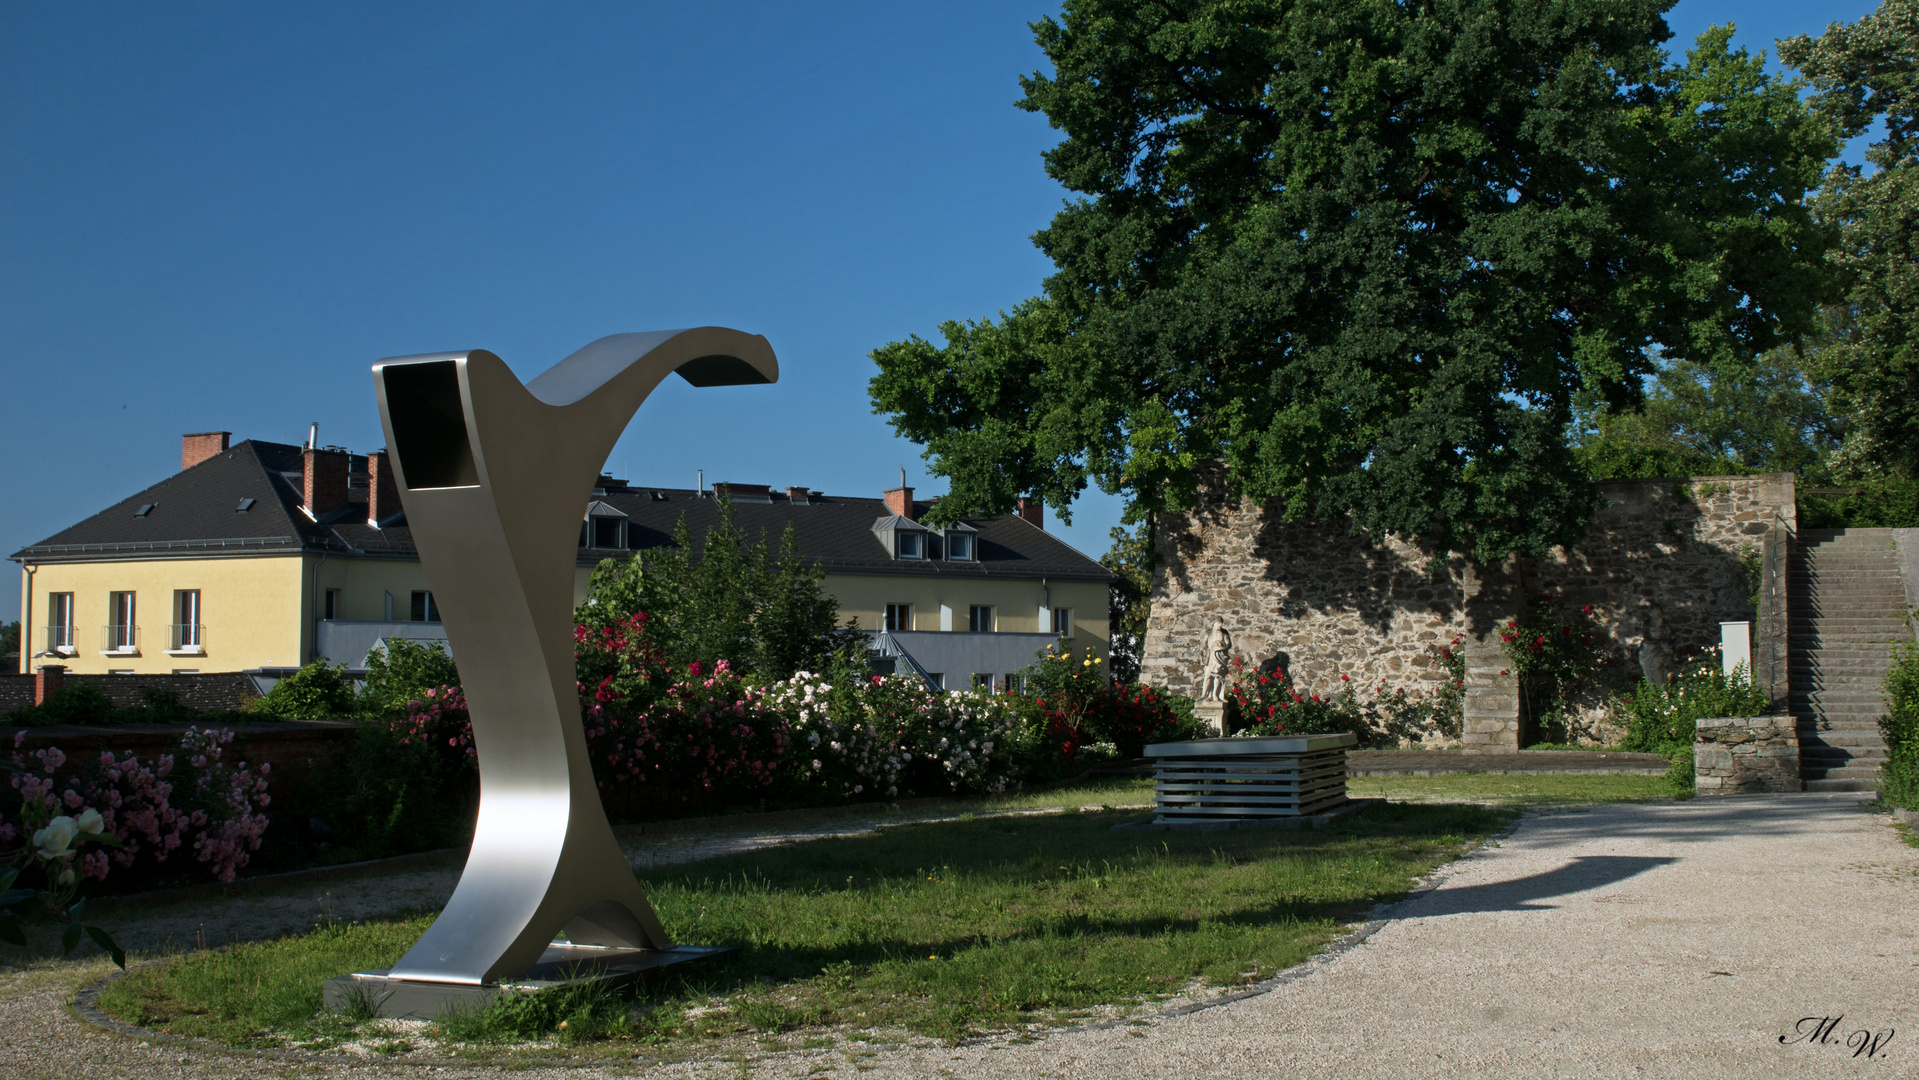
(140, 819)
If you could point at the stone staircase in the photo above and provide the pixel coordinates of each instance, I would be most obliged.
(1847, 605)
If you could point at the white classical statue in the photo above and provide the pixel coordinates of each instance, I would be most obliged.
(1218, 651)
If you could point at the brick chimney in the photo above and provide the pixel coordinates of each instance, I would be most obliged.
(202, 445)
(324, 487)
(899, 500)
(382, 491)
(50, 678)
(1034, 511)
(797, 496)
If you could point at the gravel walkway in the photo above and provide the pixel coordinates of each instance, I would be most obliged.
(1652, 940)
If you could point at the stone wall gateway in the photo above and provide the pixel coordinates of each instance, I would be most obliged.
(1746, 755)
(1319, 602)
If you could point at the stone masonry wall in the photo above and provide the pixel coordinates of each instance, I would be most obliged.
(1744, 755)
(1318, 602)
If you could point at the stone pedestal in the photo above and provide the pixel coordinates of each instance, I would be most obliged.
(1746, 755)
(1213, 715)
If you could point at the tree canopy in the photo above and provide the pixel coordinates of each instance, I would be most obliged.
(1367, 255)
(722, 598)
(1863, 73)
(1696, 421)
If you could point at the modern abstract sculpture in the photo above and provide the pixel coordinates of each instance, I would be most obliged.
(494, 477)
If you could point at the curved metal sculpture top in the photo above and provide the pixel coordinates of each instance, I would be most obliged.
(494, 477)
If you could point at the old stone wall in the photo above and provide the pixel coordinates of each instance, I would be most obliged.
(1745, 755)
(1313, 601)
(1319, 602)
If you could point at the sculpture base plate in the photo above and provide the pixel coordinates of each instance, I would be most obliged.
(562, 964)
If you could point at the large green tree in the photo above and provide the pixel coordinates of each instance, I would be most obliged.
(1863, 73)
(1698, 420)
(1366, 254)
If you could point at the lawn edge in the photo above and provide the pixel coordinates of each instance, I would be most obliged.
(85, 1001)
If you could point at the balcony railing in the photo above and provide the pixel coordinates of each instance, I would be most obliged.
(59, 639)
(120, 638)
(186, 637)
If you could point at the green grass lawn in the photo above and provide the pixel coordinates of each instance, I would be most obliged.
(1541, 790)
(941, 929)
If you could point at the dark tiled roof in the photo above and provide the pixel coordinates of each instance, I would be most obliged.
(198, 511)
(838, 533)
(195, 511)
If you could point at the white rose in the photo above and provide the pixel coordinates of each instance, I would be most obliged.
(54, 840)
(89, 821)
(66, 877)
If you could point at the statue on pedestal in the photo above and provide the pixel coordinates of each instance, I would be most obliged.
(1214, 658)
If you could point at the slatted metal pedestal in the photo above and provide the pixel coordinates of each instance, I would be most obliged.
(1212, 781)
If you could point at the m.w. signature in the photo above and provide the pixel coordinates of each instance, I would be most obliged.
(1824, 1031)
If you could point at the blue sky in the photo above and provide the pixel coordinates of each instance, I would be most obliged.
(218, 215)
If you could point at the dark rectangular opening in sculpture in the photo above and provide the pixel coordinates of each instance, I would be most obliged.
(429, 424)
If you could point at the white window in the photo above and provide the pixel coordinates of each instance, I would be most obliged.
(60, 623)
(909, 544)
(424, 609)
(1014, 683)
(983, 681)
(389, 606)
(122, 633)
(899, 616)
(331, 608)
(937, 678)
(187, 624)
(959, 546)
(979, 619)
(1063, 622)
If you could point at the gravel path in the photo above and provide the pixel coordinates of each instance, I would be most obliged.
(1650, 940)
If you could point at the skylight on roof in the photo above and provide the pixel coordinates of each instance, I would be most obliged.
(245, 505)
(145, 509)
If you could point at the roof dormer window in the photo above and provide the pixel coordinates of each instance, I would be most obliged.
(962, 543)
(904, 538)
(604, 528)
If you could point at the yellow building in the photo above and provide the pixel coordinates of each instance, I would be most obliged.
(261, 556)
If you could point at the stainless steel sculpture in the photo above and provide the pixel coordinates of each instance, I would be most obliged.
(494, 477)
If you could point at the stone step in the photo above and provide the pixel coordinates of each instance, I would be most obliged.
(1872, 605)
(1832, 744)
(1823, 784)
(1865, 645)
(1841, 772)
(1815, 663)
(1860, 721)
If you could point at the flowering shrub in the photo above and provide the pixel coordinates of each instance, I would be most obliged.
(1663, 719)
(839, 743)
(1557, 656)
(1430, 712)
(1267, 703)
(53, 842)
(703, 735)
(151, 811)
(880, 735)
(958, 742)
(1130, 716)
